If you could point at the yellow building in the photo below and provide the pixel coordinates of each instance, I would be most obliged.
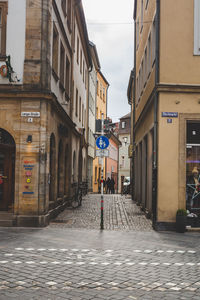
(101, 108)
(167, 108)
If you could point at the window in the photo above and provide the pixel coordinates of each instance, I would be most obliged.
(83, 71)
(137, 33)
(76, 102)
(77, 49)
(142, 12)
(55, 50)
(145, 66)
(81, 61)
(67, 77)
(69, 14)
(196, 27)
(3, 22)
(63, 5)
(104, 94)
(153, 42)
(82, 114)
(79, 108)
(123, 125)
(101, 91)
(97, 87)
(62, 59)
(149, 54)
(122, 162)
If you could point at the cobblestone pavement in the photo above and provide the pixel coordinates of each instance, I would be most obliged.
(130, 262)
(120, 213)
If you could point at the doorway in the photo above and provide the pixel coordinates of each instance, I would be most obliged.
(7, 170)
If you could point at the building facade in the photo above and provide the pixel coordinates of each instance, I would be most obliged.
(166, 107)
(124, 135)
(92, 113)
(101, 108)
(38, 133)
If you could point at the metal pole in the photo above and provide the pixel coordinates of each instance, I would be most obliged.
(102, 133)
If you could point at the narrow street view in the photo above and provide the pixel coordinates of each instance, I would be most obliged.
(99, 149)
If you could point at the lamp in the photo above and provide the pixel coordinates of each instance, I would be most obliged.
(29, 139)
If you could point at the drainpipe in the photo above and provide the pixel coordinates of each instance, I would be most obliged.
(155, 142)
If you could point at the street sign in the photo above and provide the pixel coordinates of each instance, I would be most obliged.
(102, 142)
(102, 152)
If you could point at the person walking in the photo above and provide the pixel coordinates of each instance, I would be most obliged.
(108, 185)
(112, 185)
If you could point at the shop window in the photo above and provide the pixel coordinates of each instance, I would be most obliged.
(55, 50)
(193, 167)
(3, 23)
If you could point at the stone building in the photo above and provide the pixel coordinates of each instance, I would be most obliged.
(166, 108)
(101, 108)
(41, 137)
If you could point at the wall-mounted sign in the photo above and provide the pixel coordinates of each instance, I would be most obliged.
(170, 114)
(29, 176)
(169, 120)
(35, 114)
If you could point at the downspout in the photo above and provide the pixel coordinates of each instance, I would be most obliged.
(133, 116)
(155, 141)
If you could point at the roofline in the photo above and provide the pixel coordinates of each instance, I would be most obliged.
(85, 32)
(104, 78)
(94, 49)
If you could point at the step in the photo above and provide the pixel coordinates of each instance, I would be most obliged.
(6, 223)
(6, 215)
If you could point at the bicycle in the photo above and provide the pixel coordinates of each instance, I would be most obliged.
(77, 198)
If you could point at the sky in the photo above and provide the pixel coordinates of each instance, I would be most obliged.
(110, 28)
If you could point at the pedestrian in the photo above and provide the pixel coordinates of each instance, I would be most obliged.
(112, 185)
(108, 185)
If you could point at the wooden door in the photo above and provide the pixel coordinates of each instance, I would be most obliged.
(7, 165)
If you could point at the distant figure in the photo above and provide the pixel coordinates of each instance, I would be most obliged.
(108, 185)
(112, 185)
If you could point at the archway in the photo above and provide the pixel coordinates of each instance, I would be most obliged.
(7, 170)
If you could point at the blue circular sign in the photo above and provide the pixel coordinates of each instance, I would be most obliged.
(102, 142)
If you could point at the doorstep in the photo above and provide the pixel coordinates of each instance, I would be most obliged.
(192, 229)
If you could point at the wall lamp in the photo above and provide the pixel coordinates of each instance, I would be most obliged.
(29, 139)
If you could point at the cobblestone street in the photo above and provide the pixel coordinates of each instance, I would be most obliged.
(120, 213)
(72, 259)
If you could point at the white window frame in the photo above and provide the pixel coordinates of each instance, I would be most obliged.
(196, 27)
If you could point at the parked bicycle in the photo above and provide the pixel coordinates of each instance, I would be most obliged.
(77, 198)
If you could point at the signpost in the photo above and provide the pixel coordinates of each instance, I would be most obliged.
(100, 153)
(102, 143)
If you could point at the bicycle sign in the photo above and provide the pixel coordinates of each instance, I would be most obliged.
(102, 142)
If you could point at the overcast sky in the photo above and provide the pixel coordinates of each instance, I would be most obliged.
(114, 44)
